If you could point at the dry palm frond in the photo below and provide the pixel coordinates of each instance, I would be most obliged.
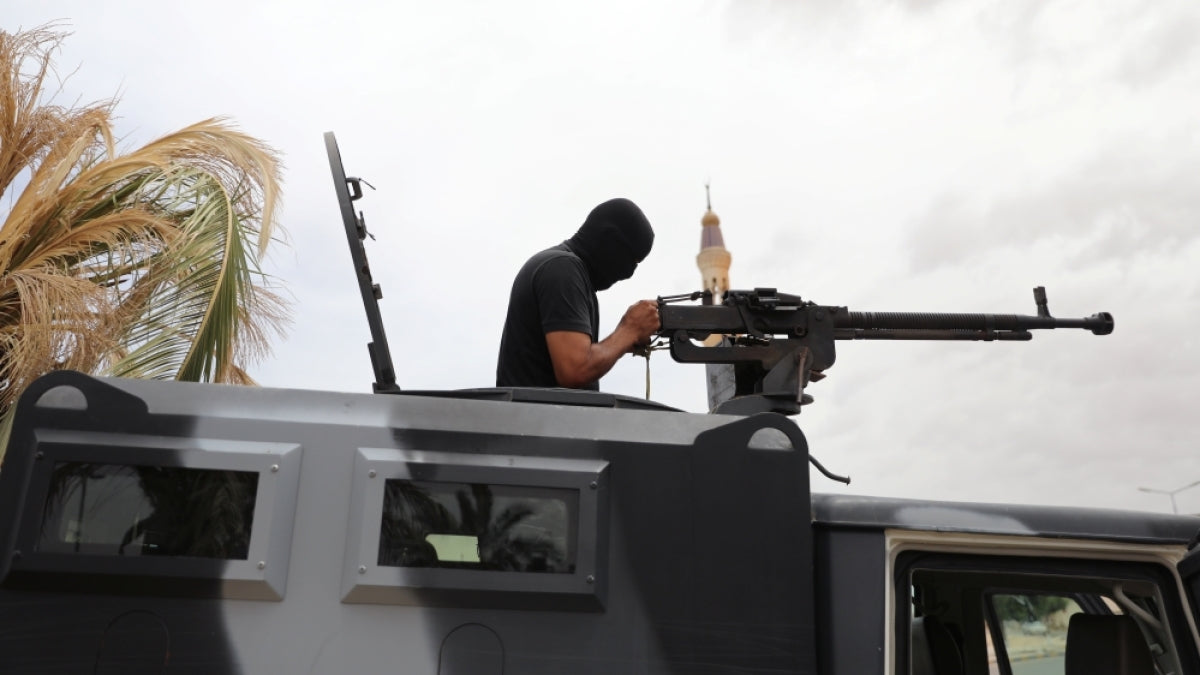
(143, 264)
(30, 128)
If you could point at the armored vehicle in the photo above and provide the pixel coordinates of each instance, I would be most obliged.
(192, 528)
(166, 527)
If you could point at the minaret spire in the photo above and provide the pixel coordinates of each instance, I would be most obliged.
(713, 260)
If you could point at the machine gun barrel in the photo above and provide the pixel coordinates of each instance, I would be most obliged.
(937, 326)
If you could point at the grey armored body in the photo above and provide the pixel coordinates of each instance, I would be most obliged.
(433, 534)
(165, 527)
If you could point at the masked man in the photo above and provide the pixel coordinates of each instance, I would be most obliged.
(551, 335)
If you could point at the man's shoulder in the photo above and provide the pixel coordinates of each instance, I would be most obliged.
(554, 262)
(555, 256)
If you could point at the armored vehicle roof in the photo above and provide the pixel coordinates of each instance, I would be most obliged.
(850, 511)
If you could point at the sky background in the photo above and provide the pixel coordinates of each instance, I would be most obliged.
(915, 155)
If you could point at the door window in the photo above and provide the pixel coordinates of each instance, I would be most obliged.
(1033, 631)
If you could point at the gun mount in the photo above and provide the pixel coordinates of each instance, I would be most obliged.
(778, 343)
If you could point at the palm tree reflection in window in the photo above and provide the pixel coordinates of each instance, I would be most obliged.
(477, 526)
(109, 509)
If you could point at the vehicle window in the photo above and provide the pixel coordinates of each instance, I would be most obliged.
(478, 526)
(977, 615)
(120, 510)
(1033, 631)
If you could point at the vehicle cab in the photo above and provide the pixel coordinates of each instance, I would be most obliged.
(909, 586)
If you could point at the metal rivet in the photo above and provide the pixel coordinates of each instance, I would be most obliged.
(16, 555)
(362, 569)
(371, 473)
(590, 579)
(274, 468)
(593, 485)
(262, 564)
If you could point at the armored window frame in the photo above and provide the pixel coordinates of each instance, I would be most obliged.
(366, 581)
(262, 575)
(1085, 579)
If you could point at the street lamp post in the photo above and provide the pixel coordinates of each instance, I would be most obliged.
(1171, 493)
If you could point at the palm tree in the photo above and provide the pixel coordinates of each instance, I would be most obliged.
(138, 264)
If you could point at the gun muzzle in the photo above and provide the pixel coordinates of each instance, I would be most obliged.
(1100, 324)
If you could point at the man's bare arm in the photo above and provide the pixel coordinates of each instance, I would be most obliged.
(578, 361)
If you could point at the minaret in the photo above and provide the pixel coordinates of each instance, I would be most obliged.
(713, 260)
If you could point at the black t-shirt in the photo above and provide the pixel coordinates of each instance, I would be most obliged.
(552, 292)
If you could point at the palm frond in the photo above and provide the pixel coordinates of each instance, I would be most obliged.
(30, 129)
(210, 288)
(143, 264)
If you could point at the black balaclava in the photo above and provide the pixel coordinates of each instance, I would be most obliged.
(612, 241)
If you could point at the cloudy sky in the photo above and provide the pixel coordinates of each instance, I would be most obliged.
(914, 155)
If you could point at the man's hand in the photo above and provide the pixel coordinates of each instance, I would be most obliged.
(578, 361)
(641, 321)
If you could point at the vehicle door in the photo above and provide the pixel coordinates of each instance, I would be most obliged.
(1189, 572)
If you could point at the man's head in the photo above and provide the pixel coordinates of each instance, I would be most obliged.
(612, 241)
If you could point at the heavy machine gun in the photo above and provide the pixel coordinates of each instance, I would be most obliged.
(777, 343)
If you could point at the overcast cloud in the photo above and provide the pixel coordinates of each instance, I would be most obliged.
(915, 156)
